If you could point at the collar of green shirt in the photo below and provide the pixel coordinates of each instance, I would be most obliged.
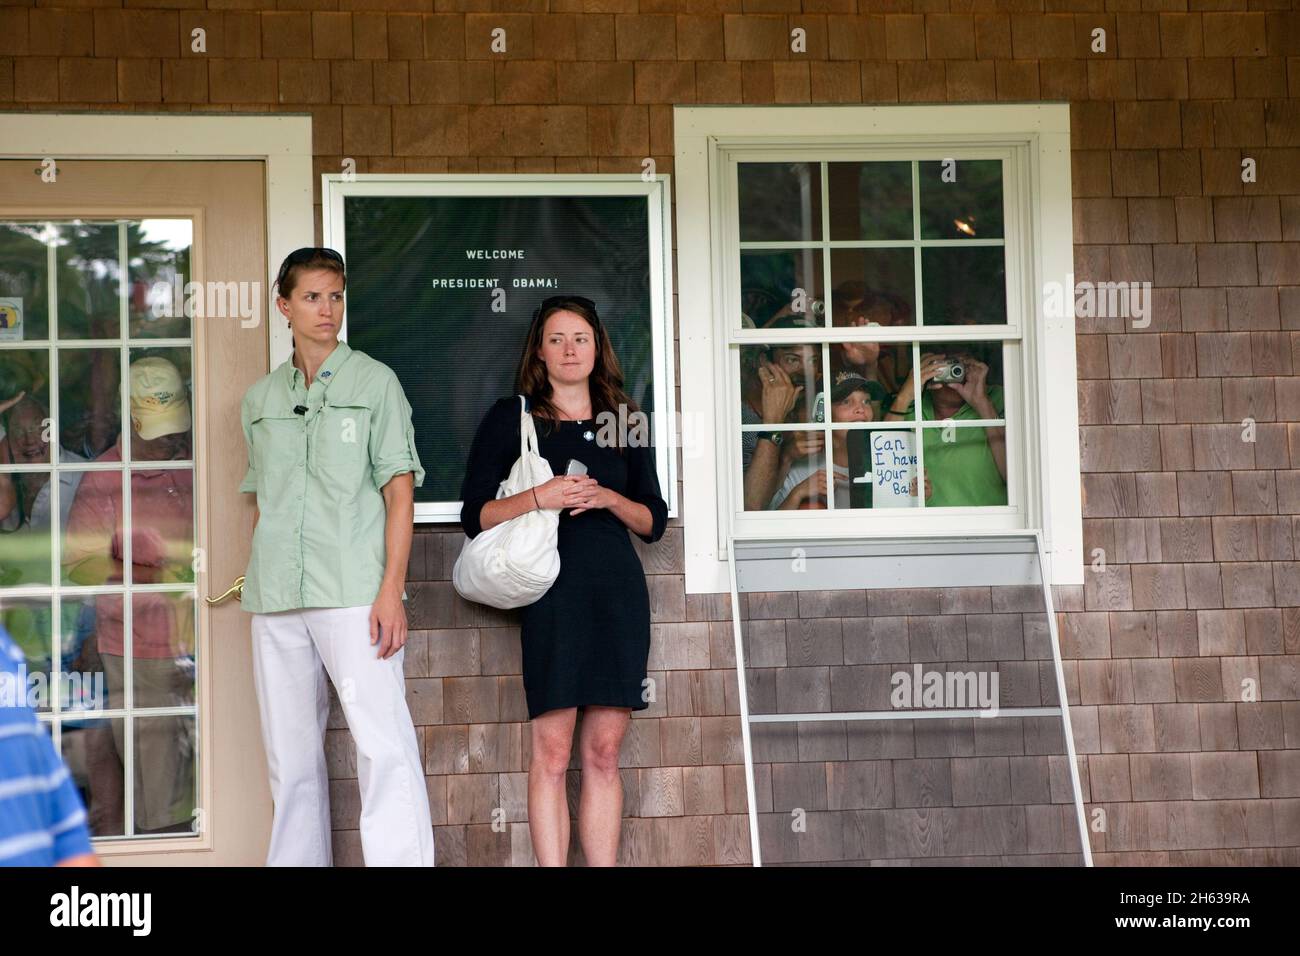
(295, 379)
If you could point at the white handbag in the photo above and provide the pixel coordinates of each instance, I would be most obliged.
(514, 563)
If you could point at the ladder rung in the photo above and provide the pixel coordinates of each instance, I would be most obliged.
(984, 713)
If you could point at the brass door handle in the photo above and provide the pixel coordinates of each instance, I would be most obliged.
(237, 589)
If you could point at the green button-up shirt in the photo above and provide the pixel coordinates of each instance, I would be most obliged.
(320, 535)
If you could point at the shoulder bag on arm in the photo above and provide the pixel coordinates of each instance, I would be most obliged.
(514, 563)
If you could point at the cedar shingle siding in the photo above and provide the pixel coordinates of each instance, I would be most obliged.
(1202, 587)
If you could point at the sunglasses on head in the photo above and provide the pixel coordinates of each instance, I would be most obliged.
(555, 301)
(303, 255)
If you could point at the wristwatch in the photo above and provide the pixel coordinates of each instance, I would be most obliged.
(774, 437)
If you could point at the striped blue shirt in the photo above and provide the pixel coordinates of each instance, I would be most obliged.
(42, 819)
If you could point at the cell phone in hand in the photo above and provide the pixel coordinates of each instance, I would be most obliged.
(575, 467)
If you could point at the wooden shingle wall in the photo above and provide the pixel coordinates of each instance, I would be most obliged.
(1201, 590)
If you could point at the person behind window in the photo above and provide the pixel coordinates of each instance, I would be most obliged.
(162, 552)
(778, 385)
(332, 460)
(586, 641)
(971, 468)
(25, 496)
(854, 305)
(804, 487)
(42, 819)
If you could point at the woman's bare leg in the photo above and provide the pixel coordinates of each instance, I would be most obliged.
(548, 811)
(600, 805)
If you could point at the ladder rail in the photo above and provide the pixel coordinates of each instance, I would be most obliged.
(1062, 710)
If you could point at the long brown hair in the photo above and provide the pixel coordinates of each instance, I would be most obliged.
(605, 382)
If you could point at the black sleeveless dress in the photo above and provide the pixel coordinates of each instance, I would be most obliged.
(587, 640)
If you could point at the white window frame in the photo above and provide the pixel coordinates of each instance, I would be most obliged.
(1044, 484)
(335, 187)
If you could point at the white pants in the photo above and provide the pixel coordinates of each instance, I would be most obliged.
(292, 651)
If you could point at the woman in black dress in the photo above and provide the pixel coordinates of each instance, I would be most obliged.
(587, 640)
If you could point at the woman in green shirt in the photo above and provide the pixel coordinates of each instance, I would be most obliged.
(969, 469)
(331, 457)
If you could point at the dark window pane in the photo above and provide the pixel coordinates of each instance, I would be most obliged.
(964, 285)
(782, 288)
(968, 207)
(874, 285)
(871, 201)
(90, 410)
(780, 202)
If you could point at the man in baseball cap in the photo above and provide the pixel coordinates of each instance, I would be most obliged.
(162, 643)
(160, 402)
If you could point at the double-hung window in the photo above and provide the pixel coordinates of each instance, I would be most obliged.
(871, 283)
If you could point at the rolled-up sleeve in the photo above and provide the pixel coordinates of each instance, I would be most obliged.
(643, 488)
(245, 418)
(392, 435)
(491, 456)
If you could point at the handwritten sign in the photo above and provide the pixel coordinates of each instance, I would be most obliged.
(893, 469)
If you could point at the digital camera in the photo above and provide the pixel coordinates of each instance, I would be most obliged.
(950, 372)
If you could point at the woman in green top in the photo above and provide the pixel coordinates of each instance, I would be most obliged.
(970, 468)
(331, 457)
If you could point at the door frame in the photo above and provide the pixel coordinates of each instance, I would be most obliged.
(283, 144)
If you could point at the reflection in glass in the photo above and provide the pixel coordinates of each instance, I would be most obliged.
(871, 201)
(159, 258)
(778, 284)
(24, 281)
(962, 199)
(964, 285)
(779, 202)
(89, 280)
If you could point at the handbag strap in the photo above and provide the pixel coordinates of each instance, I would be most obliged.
(527, 431)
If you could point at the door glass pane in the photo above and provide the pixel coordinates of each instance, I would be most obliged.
(163, 625)
(165, 752)
(24, 281)
(96, 492)
(159, 258)
(89, 279)
(90, 410)
(159, 404)
(28, 622)
(97, 752)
